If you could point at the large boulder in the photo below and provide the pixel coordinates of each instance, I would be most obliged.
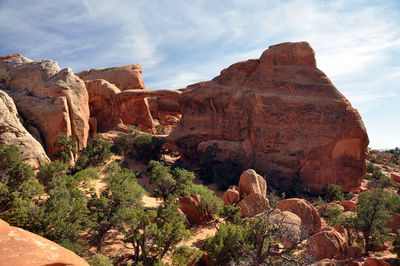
(287, 226)
(250, 182)
(19, 247)
(55, 101)
(326, 244)
(133, 111)
(231, 196)
(104, 103)
(279, 115)
(12, 132)
(252, 205)
(190, 206)
(310, 219)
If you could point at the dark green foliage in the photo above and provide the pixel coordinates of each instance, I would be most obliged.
(298, 189)
(161, 229)
(224, 173)
(147, 147)
(185, 255)
(170, 183)
(225, 246)
(122, 192)
(372, 213)
(100, 260)
(66, 217)
(394, 203)
(210, 204)
(370, 168)
(396, 246)
(232, 214)
(332, 192)
(86, 175)
(67, 147)
(51, 170)
(333, 215)
(96, 153)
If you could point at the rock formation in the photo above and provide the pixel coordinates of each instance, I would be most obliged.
(54, 101)
(231, 195)
(310, 219)
(132, 111)
(12, 132)
(20, 247)
(279, 115)
(252, 205)
(190, 206)
(327, 244)
(250, 182)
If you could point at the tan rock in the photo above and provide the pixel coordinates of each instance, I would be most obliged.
(136, 112)
(395, 176)
(348, 205)
(190, 205)
(231, 196)
(128, 77)
(12, 132)
(104, 103)
(252, 205)
(56, 101)
(276, 115)
(5, 57)
(326, 244)
(19, 247)
(310, 219)
(250, 182)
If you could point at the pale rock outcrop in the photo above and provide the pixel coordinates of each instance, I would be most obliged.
(287, 226)
(231, 196)
(133, 111)
(327, 244)
(252, 205)
(54, 100)
(250, 182)
(19, 248)
(279, 115)
(310, 219)
(12, 132)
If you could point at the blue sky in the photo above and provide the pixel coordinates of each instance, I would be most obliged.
(357, 43)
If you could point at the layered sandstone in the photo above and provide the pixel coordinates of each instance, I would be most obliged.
(12, 132)
(279, 115)
(52, 100)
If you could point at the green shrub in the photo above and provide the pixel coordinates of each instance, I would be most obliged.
(86, 175)
(379, 180)
(49, 171)
(147, 147)
(298, 189)
(67, 148)
(332, 192)
(224, 173)
(210, 203)
(96, 153)
(370, 168)
(100, 260)
(231, 214)
(333, 215)
(185, 255)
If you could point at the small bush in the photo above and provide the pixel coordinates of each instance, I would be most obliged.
(147, 147)
(96, 153)
(379, 180)
(333, 215)
(67, 147)
(210, 203)
(231, 214)
(50, 170)
(332, 192)
(100, 260)
(185, 255)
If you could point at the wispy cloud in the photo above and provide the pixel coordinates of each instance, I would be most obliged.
(179, 42)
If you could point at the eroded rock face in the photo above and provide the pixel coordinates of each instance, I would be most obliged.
(310, 219)
(20, 247)
(12, 132)
(278, 115)
(103, 103)
(55, 101)
(132, 111)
